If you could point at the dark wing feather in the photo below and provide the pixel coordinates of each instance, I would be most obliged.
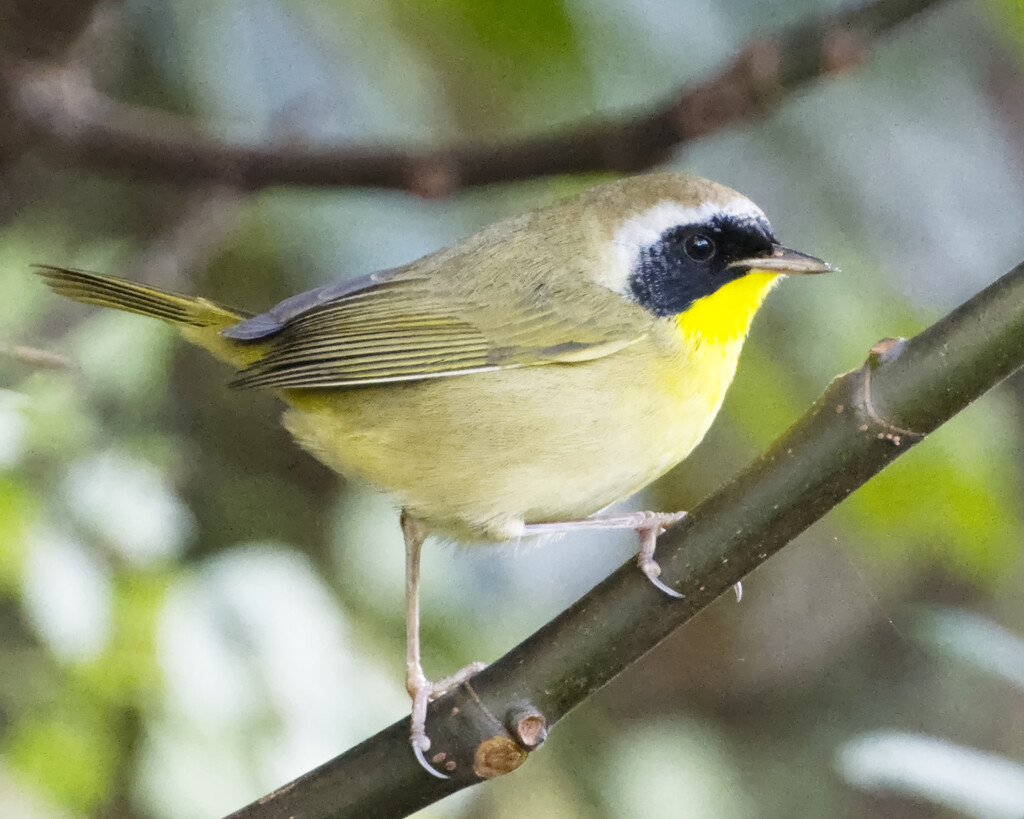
(387, 327)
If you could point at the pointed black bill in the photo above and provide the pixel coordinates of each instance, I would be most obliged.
(785, 261)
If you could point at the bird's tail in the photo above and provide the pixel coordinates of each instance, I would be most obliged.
(198, 319)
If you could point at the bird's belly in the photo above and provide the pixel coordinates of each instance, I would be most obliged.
(479, 455)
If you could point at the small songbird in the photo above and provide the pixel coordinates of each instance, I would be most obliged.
(517, 382)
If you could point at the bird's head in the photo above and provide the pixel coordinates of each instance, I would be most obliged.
(694, 252)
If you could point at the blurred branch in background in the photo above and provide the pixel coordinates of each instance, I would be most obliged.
(61, 113)
(1005, 83)
(863, 421)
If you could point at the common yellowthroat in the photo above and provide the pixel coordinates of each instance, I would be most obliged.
(517, 382)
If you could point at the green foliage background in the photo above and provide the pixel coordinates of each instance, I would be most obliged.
(192, 611)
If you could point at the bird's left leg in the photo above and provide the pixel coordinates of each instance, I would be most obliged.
(422, 690)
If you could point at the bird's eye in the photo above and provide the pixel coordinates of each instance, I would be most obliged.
(699, 247)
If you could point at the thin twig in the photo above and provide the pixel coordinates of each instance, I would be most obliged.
(42, 359)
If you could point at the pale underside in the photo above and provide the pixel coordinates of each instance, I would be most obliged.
(478, 456)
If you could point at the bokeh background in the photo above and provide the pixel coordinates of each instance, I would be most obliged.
(193, 611)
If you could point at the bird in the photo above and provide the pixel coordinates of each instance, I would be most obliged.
(517, 382)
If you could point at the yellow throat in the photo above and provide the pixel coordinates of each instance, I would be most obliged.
(726, 314)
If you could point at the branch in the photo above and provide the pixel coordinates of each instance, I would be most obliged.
(863, 421)
(75, 123)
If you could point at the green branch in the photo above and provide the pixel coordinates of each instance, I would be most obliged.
(863, 421)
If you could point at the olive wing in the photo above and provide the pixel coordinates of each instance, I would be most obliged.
(392, 326)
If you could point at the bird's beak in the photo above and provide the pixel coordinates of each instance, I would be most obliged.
(784, 260)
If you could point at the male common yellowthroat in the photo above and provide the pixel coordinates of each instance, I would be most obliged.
(518, 381)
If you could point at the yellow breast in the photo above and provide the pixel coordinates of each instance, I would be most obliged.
(708, 338)
(726, 314)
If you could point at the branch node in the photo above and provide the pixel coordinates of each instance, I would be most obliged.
(527, 725)
(842, 50)
(760, 65)
(497, 756)
(433, 177)
(881, 351)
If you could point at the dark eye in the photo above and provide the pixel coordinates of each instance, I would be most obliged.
(699, 247)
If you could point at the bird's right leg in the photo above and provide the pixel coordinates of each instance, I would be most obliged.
(647, 525)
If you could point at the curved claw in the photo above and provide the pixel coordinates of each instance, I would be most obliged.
(660, 584)
(645, 558)
(418, 729)
(430, 769)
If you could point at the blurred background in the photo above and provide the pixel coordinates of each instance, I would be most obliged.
(193, 611)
